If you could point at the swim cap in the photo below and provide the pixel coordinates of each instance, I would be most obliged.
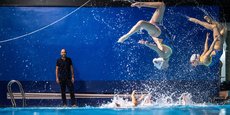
(194, 57)
(158, 62)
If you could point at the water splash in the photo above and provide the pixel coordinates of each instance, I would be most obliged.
(185, 99)
(118, 102)
(150, 101)
(101, 20)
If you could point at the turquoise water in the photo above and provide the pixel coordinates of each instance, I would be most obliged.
(158, 110)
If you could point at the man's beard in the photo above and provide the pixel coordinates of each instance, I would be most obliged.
(63, 56)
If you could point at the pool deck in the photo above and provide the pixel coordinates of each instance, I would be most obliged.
(58, 95)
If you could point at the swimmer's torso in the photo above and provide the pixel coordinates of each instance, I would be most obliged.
(205, 60)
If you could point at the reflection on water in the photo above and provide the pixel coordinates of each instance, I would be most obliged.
(165, 110)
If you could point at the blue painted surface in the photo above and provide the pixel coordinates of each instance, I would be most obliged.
(90, 36)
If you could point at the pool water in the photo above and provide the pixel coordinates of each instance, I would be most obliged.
(156, 110)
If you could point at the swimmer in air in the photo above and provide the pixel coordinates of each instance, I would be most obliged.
(164, 55)
(210, 56)
(153, 29)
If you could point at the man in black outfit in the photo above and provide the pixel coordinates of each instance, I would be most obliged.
(64, 71)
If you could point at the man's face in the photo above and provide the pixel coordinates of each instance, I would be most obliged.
(63, 53)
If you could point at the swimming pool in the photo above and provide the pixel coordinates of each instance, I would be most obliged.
(120, 67)
(165, 110)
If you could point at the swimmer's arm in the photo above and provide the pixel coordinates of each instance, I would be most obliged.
(206, 44)
(150, 45)
(204, 24)
(146, 43)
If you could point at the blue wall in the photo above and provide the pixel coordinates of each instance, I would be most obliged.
(90, 36)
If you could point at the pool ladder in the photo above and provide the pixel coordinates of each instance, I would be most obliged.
(12, 95)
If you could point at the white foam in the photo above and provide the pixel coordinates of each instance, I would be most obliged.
(184, 99)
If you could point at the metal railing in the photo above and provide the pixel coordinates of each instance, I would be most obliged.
(12, 95)
(57, 96)
(46, 95)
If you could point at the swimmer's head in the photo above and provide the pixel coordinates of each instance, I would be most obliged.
(195, 59)
(160, 63)
(63, 53)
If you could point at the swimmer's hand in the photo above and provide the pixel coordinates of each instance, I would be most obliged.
(143, 42)
(137, 4)
(193, 20)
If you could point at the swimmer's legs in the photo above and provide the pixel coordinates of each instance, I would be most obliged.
(159, 13)
(152, 30)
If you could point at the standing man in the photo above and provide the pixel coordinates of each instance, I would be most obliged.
(65, 77)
